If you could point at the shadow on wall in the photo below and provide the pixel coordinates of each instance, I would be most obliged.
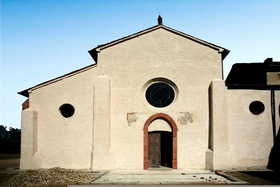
(274, 157)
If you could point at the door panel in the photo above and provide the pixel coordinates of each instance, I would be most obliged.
(154, 149)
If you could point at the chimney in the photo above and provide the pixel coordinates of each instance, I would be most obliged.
(159, 20)
(268, 60)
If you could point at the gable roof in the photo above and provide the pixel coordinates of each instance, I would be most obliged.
(93, 52)
(26, 91)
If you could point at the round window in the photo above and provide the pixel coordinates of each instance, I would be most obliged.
(256, 107)
(160, 94)
(67, 110)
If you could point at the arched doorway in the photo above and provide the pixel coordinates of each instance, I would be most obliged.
(174, 128)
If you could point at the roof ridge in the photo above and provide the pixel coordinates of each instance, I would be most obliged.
(126, 37)
(93, 52)
(203, 41)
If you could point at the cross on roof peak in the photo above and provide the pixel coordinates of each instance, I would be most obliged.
(159, 20)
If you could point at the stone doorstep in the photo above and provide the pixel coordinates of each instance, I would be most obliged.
(161, 172)
(158, 182)
(163, 177)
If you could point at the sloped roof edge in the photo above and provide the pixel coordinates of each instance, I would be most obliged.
(26, 92)
(252, 75)
(93, 52)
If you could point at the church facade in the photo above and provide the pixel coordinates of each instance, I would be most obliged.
(155, 98)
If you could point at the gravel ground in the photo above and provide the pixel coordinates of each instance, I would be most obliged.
(59, 177)
(53, 176)
(252, 177)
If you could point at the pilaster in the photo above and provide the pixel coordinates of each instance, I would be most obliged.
(29, 139)
(219, 130)
(101, 155)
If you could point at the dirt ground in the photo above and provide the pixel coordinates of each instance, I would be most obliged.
(7, 163)
(12, 163)
(257, 177)
(252, 177)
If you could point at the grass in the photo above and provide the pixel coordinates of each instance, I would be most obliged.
(9, 156)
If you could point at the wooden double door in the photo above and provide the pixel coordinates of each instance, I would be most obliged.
(160, 149)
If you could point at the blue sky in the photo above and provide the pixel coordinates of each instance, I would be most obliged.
(44, 39)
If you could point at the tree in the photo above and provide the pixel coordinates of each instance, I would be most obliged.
(10, 140)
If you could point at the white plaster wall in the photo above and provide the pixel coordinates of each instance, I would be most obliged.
(159, 125)
(219, 152)
(65, 142)
(273, 78)
(191, 66)
(29, 138)
(251, 137)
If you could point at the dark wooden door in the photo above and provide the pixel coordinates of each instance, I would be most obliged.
(154, 149)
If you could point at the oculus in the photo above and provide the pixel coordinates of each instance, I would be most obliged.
(67, 110)
(160, 94)
(256, 107)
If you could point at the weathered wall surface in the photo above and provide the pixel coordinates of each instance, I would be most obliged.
(273, 78)
(218, 155)
(29, 142)
(106, 130)
(126, 70)
(132, 65)
(251, 136)
(64, 142)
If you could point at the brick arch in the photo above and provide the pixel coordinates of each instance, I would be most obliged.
(174, 128)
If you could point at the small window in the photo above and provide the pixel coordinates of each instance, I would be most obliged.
(160, 94)
(256, 107)
(67, 110)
